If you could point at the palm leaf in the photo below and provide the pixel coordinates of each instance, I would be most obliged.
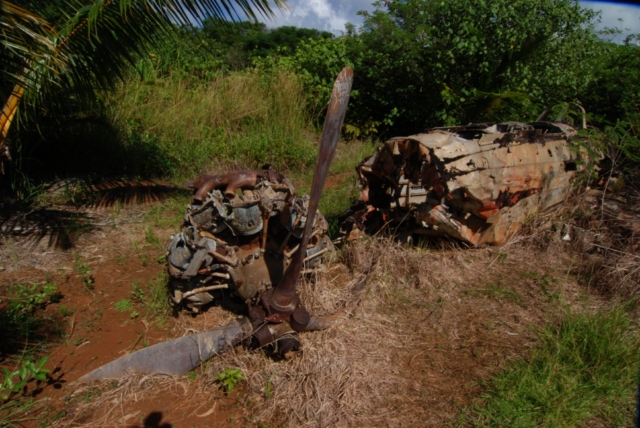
(93, 47)
(98, 42)
(28, 43)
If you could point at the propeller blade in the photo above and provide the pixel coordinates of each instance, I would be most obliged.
(338, 103)
(177, 356)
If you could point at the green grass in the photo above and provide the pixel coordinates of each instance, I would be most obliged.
(169, 213)
(123, 305)
(244, 119)
(335, 203)
(26, 334)
(497, 291)
(14, 412)
(338, 197)
(583, 369)
(156, 303)
(169, 128)
(21, 319)
(151, 238)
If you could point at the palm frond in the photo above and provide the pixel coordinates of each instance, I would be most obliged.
(94, 45)
(28, 44)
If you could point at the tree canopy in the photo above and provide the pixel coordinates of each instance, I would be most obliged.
(431, 62)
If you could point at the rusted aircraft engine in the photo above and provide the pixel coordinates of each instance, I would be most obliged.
(239, 233)
(477, 183)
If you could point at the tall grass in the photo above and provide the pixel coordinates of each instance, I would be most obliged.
(583, 371)
(242, 119)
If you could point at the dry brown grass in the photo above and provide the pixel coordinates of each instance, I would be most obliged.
(432, 324)
(602, 232)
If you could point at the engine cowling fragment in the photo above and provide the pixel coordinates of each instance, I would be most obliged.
(239, 234)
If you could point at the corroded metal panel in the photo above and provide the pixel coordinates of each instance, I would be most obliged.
(477, 183)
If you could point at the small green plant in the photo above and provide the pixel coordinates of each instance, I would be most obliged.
(134, 315)
(14, 382)
(497, 291)
(156, 304)
(91, 394)
(123, 305)
(66, 312)
(192, 376)
(85, 272)
(268, 389)
(135, 245)
(19, 316)
(137, 293)
(545, 281)
(28, 297)
(151, 238)
(228, 378)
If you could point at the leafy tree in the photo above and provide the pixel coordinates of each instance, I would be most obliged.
(239, 42)
(426, 62)
(612, 98)
(317, 63)
(614, 92)
(286, 38)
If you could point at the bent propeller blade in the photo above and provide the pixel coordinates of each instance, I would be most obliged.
(336, 112)
(177, 356)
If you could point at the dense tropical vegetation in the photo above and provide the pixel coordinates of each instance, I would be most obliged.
(418, 64)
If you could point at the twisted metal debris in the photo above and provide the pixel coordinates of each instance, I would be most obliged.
(477, 183)
(239, 234)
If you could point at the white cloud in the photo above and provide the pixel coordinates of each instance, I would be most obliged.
(332, 15)
(326, 15)
(620, 15)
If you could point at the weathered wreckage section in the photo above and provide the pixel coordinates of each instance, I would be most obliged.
(477, 183)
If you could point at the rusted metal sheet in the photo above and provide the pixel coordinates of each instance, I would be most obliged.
(477, 183)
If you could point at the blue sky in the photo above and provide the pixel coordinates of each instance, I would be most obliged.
(332, 15)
